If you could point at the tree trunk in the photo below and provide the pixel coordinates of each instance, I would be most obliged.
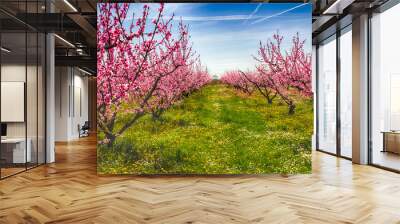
(292, 108)
(111, 139)
(269, 95)
(156, 115)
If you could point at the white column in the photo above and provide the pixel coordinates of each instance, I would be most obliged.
(50, 98)
(360, 90)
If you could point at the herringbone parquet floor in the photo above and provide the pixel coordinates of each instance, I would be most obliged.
(69, 191)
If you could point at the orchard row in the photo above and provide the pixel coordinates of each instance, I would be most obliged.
(279, 72)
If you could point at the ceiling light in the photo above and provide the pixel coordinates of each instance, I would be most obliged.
(70, 5)
(334, 5)
(337, 7)
(5, 50)
(79, 51)
(65, 41)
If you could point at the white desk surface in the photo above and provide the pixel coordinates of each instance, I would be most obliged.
(13, 140)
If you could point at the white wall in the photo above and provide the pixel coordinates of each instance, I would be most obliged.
(61, 103)
(33, 126)
(71, 102)
(80, 110)
(16, 73)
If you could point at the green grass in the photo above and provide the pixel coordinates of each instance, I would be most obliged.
(215, 131)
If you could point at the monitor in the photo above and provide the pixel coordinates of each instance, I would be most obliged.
(3, 129)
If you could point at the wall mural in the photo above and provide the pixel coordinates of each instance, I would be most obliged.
(193, 88)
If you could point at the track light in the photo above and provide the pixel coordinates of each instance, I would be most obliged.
(64, 40)
(70, 5)
(84, 71)
(5, 50)
(337, 7)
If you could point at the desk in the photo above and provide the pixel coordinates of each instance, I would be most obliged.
(391, 141)
(13, 150)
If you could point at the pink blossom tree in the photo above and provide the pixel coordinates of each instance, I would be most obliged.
(283, 70)
(175, 87)
(264, 86)
(299, 67)
(238, 81)
(250, 81)
(138, 62)
(279, 72)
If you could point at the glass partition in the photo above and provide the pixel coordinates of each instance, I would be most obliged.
(13, 94)
(22, 88)
(327, 97)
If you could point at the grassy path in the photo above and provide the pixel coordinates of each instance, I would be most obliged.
(214, 131)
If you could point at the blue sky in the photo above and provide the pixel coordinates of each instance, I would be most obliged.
(226, 35)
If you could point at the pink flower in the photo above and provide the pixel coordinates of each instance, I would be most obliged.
(147, 71)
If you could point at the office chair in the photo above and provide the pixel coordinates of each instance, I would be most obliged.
(84, 130)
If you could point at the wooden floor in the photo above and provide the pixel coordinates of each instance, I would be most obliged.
(387, 159)
(69, 191)
(5, 172)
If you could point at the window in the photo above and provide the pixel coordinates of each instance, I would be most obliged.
(346, 92)
(385, 89)
(327, 95)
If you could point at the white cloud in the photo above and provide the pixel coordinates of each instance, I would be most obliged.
(228, 50)
(246, 35)
(227, 46)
